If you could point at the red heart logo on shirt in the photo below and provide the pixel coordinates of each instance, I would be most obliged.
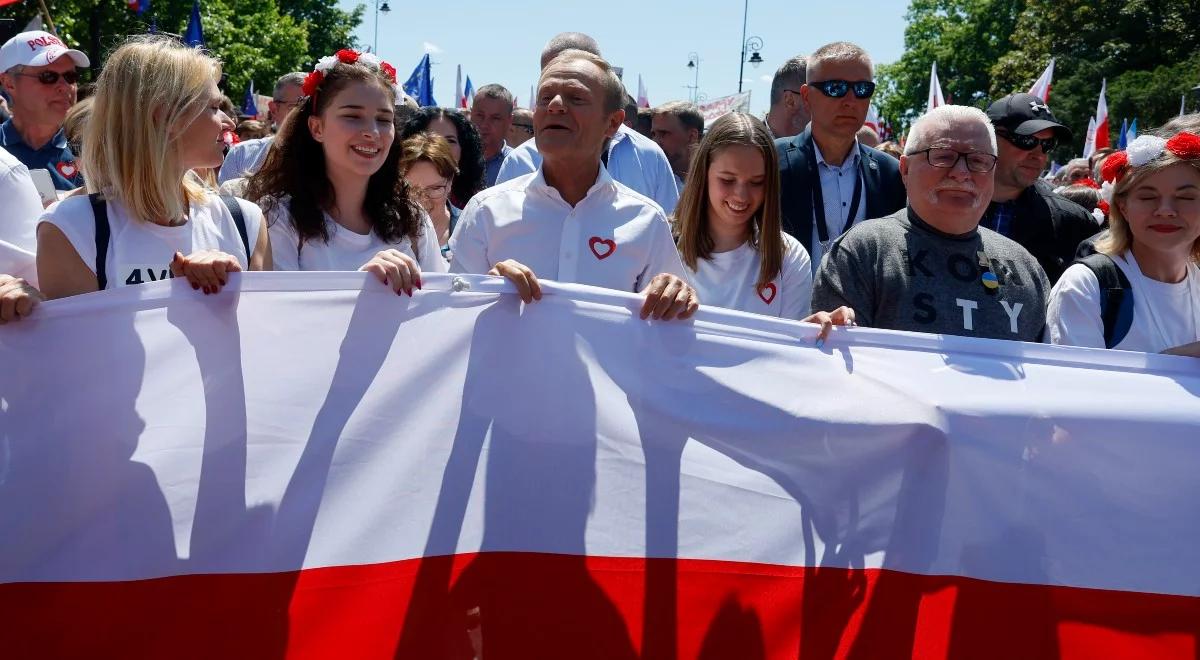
(67, 169)
(767, 292)
(609, 246)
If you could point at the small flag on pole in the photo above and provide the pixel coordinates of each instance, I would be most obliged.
(643, 99)
(420, 84)
(249, 108)
(459, 100)
(1089, 143)
(1041, 87)
(194, 35)
(1102, 117)
(936, 97)
(468, 94)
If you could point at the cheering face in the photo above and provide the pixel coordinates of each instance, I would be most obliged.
(202, 143)
(34, 98)
(837, 116)
(1017, 168)
(570, 119)
(356, 129)
(950, 198)
(446, 128)
(1163, 210)
(737, 180)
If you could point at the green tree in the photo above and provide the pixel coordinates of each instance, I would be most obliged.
(329, 28)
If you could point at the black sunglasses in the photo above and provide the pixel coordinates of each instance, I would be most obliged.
(51, 77)
(863, 89)
(1028, 142)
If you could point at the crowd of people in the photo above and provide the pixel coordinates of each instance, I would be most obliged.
(801, 215)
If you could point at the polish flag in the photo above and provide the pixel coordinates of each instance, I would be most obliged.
(873, 120)
(1089, 140)
(468, 95)
(643, 99)
(1041, 88)
(936, 97)
(1102, 117)
(460, 100)
(216, 485)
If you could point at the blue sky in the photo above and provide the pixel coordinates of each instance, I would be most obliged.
(500, 41)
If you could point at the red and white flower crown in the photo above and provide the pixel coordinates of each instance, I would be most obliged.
(1141, 151)
(312, 82)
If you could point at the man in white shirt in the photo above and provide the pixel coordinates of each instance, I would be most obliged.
(630, 157)
(22, 204)
(569, 220)
(245, 158)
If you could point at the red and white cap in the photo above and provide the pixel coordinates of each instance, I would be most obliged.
(37, 48)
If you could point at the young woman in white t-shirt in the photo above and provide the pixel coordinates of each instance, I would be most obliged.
(331, 184)
(155, 118)
(729, 228)
(1154, 238)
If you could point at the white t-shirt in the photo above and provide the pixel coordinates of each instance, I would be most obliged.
(140, 251)
(613, 238)
(1164, 315)
(22, 205)
(345, 250)
(729, 279)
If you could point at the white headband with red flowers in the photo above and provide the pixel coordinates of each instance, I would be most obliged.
(1141, 151)
(312, 82)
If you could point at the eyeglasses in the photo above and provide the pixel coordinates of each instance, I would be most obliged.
(51, 77)
(1029, 142)
(947, 159)
(526, 127)
(432, 193)
(863, 89)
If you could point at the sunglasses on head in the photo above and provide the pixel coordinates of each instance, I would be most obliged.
(51, 77)
(863, 89)
(1028, 142)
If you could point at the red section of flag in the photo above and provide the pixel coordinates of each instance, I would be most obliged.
(526, 605)
(8, 2)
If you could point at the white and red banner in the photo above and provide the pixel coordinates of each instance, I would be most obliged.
(717, 108)
(309, 466)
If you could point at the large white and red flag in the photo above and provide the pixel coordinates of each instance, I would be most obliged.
(308, 466)
(1102, 117)
(873, 121)
(936, 97)
(1041, 86)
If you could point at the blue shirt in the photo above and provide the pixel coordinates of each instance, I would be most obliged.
(55, 156)
(491, 166)
(999, 218)
(633, 159)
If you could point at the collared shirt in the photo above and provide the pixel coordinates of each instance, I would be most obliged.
(22, 205)
(491, 166)
(633, 159)
(244, 158)
(837, 191)
(999, 217)
(54, 156)
(614, 237)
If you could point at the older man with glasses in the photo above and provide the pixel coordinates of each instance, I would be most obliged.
(930, 267)
(828, 179)
(39, 72)
(1024, 207)
(245, 158)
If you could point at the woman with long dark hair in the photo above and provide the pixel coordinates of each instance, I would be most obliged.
(465, 146)
(331, 185)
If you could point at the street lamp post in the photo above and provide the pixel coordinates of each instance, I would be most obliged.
(380, 6)
(694, 63)
(753, 44)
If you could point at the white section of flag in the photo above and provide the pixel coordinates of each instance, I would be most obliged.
(295, 420)
(643, 99)
(1041, 86)
(1089, 140)
(936, 97)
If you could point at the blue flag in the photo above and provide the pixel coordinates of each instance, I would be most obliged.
(1121, 143)
(194, 36)
(1131, 134)
(249, 107)
(420, 84)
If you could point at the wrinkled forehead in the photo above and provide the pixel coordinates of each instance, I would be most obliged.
(572, 72)
(961, 135)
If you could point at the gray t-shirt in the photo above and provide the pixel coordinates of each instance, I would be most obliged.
(899, 273)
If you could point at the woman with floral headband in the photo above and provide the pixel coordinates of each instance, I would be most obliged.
(1150, 301)
(331, 186)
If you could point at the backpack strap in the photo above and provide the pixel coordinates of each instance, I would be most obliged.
(1116, 297)
(239, 219)
(103, 234)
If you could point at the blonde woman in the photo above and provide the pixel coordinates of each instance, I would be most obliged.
(155, 118)
(1141, 292)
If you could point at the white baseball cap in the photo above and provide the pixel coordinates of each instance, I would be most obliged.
(37, 48)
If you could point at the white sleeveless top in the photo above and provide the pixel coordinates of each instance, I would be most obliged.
(140, 251)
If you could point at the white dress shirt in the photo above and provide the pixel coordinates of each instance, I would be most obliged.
(244, 158)
(614, 237)
(837, 191)
(22, 204)
(633, 159)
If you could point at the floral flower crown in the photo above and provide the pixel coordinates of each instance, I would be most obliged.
(1141, 151)
(312, 82)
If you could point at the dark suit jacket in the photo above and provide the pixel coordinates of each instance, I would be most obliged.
(884, 189)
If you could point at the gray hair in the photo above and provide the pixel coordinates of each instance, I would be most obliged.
(687, 114)
(494, 91)
(293, 79)
(792, 74)
(839, 51)
(569, 41)
(929, 125)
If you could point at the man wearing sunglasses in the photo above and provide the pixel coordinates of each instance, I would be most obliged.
(829, 181)
(39, 72)
(1024, 206)
(930, 267)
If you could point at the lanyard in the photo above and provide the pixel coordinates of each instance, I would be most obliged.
(819, 197)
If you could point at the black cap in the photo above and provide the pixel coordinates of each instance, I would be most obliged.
(1025, 114)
